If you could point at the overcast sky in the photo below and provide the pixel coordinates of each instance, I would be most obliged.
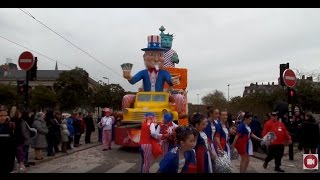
(218, 46)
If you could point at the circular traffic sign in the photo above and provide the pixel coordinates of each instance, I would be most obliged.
(289, 78)
(310, 161)
(26, 60)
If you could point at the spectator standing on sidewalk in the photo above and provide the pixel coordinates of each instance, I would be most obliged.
(22, 135)
(64, 135)
(310, 134)
(82, 126)
(276, 147)
(256, 128)
(76, 127)
(99, 127)
(89, 127)
(70, 129)
(40, 141)
(53, 135)
(7, 143)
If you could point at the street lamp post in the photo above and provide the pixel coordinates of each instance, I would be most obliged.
(198, 102)
(107, 79)
(228, 91)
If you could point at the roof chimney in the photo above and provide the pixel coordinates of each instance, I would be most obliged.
(310, 78)
(303, 77)
(272, 83)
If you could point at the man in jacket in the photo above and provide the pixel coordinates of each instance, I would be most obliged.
(276, 147)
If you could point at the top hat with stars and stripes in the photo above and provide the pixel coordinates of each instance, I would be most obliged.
(154, 44)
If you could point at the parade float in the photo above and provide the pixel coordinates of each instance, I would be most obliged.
(164, 90)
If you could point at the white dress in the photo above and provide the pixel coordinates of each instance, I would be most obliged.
(181, 164)
(227, 144)
(250, 149)
(204, 136)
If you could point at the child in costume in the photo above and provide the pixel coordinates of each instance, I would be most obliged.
(181, 159)
(165, 131)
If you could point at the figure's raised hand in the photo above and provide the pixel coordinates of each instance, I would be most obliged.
(127, 74)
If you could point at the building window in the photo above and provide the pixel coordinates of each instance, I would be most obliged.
(248, 91)
(267, 91)
(253, 91)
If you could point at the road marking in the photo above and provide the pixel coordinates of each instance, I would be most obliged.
(154, 168)
(121, 168)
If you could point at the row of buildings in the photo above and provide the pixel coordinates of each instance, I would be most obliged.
(10, 74)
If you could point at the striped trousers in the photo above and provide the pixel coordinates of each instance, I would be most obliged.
(106, 139)
(147, 157)
(177, 98)
(165, 148)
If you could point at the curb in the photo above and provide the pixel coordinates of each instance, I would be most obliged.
(46, 159)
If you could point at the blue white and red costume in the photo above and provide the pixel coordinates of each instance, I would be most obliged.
(170, 162)
(244, 143)
(204, 164)
(166, 143)
(147, 133)
(222, 136)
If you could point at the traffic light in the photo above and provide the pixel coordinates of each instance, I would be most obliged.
(283, 67)
(20, 87)
(292, 93)
(33, 71)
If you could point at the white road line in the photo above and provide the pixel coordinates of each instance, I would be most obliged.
(121, 168)
(154, 168)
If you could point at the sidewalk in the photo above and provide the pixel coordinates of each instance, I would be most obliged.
(94, 140)
(290, 166)
(262, 156)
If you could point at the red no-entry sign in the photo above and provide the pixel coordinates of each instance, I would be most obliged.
(289, 78)
(26, 60)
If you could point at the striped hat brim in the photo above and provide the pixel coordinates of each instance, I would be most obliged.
(154, 49)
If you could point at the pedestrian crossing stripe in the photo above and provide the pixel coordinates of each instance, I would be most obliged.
(121, 168)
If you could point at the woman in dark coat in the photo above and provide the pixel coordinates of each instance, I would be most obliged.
(53, 134)
(310, 134)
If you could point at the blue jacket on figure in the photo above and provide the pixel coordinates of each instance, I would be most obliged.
(163, 76)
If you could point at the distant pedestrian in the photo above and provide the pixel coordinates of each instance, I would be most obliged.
(89, 127)
(106, 123)
(310, 134)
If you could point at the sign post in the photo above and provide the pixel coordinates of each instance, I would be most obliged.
(290, 80)
(26, 62)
